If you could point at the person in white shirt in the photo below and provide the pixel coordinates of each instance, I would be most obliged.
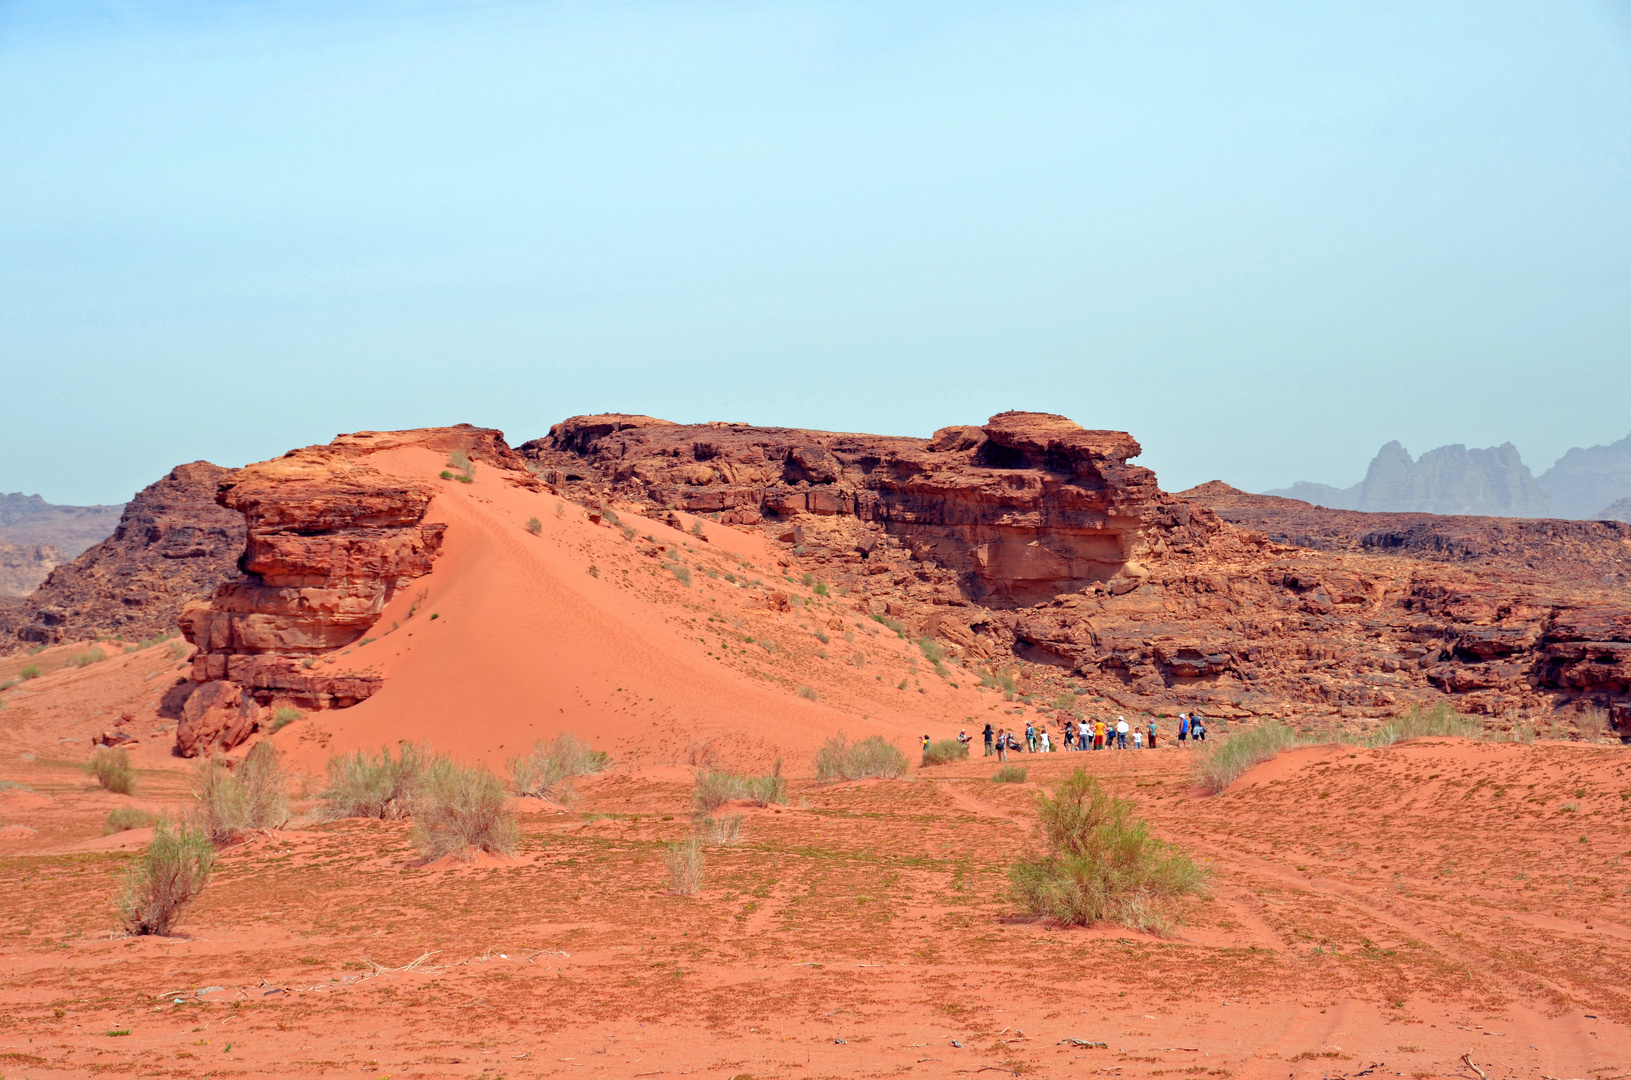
(1122, 728)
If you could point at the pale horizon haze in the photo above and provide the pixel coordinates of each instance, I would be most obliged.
(1264, 238)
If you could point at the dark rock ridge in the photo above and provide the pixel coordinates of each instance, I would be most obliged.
(1030, 537)
(1449, 480)
(172, 544)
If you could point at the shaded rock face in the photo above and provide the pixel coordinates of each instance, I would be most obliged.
(329, 540)
(173, 544)
(1023, 508)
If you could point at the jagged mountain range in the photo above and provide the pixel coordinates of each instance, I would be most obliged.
(36, 537)
(1591, 483)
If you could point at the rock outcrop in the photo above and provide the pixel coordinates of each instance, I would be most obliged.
(1031, 537)
(329, 541)
(23, 567)
(172, 545)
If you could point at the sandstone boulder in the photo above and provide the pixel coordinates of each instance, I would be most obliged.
(217, 717)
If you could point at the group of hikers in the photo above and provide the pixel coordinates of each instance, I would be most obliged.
(1115, 734)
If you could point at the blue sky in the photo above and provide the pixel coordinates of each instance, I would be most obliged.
(1263, 237)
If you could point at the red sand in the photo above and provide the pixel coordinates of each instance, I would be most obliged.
(1375, 912)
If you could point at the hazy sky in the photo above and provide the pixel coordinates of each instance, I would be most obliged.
(1263, 237)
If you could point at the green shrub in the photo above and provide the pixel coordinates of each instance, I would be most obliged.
(1100, 863)
(840, 759)
(682, 575)
(123, 818)
(715, 788)
(1419, 722)
(283, 717)
(684, 862)
(999, 679)
(721, 831)
(165, 879)
(30, 671)
(1009, 774)
(364, 786)
(944, 752)
(234, 801)
(933, 651)
(112, 769)
(534, 526)
(1218, 767)
(821, 588)
(547, 771)
(460, 808)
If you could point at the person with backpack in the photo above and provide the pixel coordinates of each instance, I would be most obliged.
(987, 738)
(1002, 744)
(1070, 735)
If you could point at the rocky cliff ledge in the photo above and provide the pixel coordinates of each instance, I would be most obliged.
(330, 540)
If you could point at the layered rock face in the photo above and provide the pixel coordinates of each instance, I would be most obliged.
(1024, 508)
(173, 544)
(330, 540)
(1030, 537)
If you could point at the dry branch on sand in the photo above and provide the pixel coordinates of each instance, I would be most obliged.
(1101, 864)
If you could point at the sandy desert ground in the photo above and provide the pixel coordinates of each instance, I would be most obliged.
(1393, 912)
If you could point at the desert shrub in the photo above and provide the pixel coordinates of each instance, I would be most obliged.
(840, 759)
(682, 575)
(1009, 774)
(944, 752)
(684, 862)
(1218, 767)
(86, 659)
(30, 671)
(534, 526)
(720, 831)
(715, 788)
(1419, 722)
(546, 772)
(932, 650)
(127, 817)
(1592, 723)
(283, 717)
(165, 879)
(112, 769)
(361, 785)
(999, 679)
(808, 693)
(460, 807)
(233, 801)
(1100, 864)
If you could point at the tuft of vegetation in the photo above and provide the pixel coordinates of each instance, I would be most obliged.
(123, 818)
(944, 752)
(682, 575)
(1418, 723)
(364, 786)
(1220, 766)
(30, 671)
(720, 831)
(283, 717)
(460, 460)
(167, 877)
(86, 659)
(1009, 774)
(840, 759)
(1100, 864)
(715, 788)
(548, 770)
(534, 526)
(684, 862)
(234, 801)
(999, 679)
(460, 809)
(112, 768)
(808, 693)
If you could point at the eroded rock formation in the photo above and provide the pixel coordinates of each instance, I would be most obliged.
(1029, 536)
(173, 544)
(330, 540)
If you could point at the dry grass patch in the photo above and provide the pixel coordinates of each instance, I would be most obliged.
(716, 787)
(235, 801)
(945, 752)
(840, 759)
(367, 786)
(124, 818)
(112, 768)
(167, 877)
(685, 863)
(549, 770)
(461, 809)
(1100, 863)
